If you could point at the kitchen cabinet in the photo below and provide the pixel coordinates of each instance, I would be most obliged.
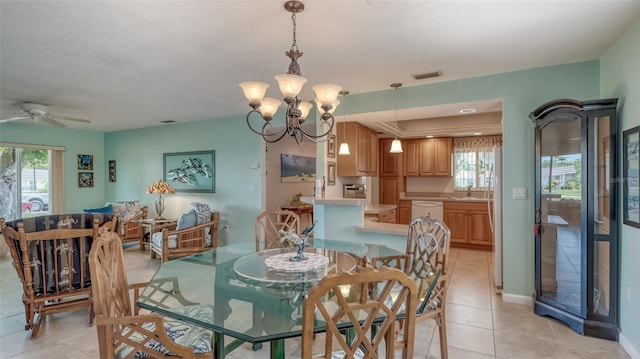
(404, 212)
(389, 162)
(428, 157)
(388, 190)
(363, 142)
(469, 224)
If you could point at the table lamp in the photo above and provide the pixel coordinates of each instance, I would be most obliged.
(160, 187)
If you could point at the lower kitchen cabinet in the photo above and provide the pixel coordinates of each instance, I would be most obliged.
(404, 212)
(469, 224)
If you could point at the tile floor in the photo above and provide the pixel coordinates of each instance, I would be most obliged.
(479, 324)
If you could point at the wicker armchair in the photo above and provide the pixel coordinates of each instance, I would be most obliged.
(176, 243)
(131, 229)
(50, 255)
(124, 334)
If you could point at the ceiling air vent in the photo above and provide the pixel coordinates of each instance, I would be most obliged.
(428, 75)
(167, 121)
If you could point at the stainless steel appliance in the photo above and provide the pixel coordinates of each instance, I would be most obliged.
(354, 191)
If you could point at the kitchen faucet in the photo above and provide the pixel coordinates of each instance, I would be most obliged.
(469, 190)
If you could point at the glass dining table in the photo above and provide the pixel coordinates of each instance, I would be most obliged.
(256, 298)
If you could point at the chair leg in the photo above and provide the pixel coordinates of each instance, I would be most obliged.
(442, 331)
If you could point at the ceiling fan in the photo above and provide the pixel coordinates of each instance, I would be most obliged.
(40, 113)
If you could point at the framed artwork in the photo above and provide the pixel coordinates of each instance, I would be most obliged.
(85, 162)
(331, 174)
(112, 171)
(85, 179)
(331, 146)
(295, 168)
(190, 171)
(631, 166)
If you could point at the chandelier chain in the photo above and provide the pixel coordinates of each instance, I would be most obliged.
(293, 20)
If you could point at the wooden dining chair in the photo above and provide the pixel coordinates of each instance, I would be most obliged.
(427, 250)
(345, 300)
(121, 334)
(269, 224)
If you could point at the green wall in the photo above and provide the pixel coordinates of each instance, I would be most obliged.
(620, 78)
(139, 158)
(76, 142)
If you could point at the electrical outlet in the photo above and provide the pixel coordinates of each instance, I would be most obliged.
(226, 228)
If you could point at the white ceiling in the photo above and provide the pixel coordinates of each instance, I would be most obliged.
(131, 64)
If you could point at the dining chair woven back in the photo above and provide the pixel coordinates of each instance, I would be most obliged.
(427, 250)
(346, 300)
(121, 334)
(270, 223)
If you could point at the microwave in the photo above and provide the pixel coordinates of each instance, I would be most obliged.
(354, 191)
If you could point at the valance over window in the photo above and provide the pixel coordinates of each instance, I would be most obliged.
(476, 143)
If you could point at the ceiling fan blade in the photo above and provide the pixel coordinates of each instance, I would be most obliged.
(15, 118)
(72, 119)
(51, 121)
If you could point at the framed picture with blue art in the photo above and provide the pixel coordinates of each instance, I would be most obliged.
(190, 171)
(85, 162)
(295, 168)
(631, 173)
(85, 179)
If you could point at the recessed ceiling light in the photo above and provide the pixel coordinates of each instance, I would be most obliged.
(429, 136)
(468, 110)
(477, 133)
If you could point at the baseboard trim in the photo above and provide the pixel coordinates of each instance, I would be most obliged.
(628, 347)
(517, 299)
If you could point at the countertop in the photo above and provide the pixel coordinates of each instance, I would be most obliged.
(335, 201)
(384, 228)
(378, 208)
(442, 197)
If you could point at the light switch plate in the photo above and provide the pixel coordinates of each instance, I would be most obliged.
(519, 193)
(254, 165)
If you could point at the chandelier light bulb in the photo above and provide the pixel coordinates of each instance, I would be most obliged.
(327, 94)
(335, 105)
(290, 85)
(269, 107)
(254, 91)
(304, 108)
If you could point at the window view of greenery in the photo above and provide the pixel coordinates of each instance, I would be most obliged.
(472, 169)
(29, 169)
(566, 171)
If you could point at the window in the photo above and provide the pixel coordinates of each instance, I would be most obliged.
(31, 180)
(473, 161)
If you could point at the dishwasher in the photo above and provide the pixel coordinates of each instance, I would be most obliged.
(424, 208)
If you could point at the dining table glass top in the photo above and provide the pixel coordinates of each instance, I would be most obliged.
(249, 302)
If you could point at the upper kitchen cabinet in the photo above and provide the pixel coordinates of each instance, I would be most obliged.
(390, 163)
(363, 142)
(428, 157)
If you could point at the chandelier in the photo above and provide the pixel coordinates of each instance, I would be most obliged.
(296, 110)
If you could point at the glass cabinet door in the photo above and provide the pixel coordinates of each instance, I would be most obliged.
(560, 187)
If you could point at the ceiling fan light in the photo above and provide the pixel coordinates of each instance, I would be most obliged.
(396, 146)
(254, 90)
(344, 149)
(290, 85)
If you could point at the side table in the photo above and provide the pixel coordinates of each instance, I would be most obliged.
(156, 225)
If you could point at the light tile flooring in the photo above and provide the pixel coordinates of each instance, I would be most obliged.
(479, 324)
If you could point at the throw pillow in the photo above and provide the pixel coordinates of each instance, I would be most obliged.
(187, 220)
(203, 211)
(104, 210)
(126, 210)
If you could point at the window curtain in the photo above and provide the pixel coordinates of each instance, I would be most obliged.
(476, 143)
(56, 171)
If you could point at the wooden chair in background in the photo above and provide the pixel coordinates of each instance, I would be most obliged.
(347, 299)
(176, 243)
(121, 334)
(269, 224)
(49, 254)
